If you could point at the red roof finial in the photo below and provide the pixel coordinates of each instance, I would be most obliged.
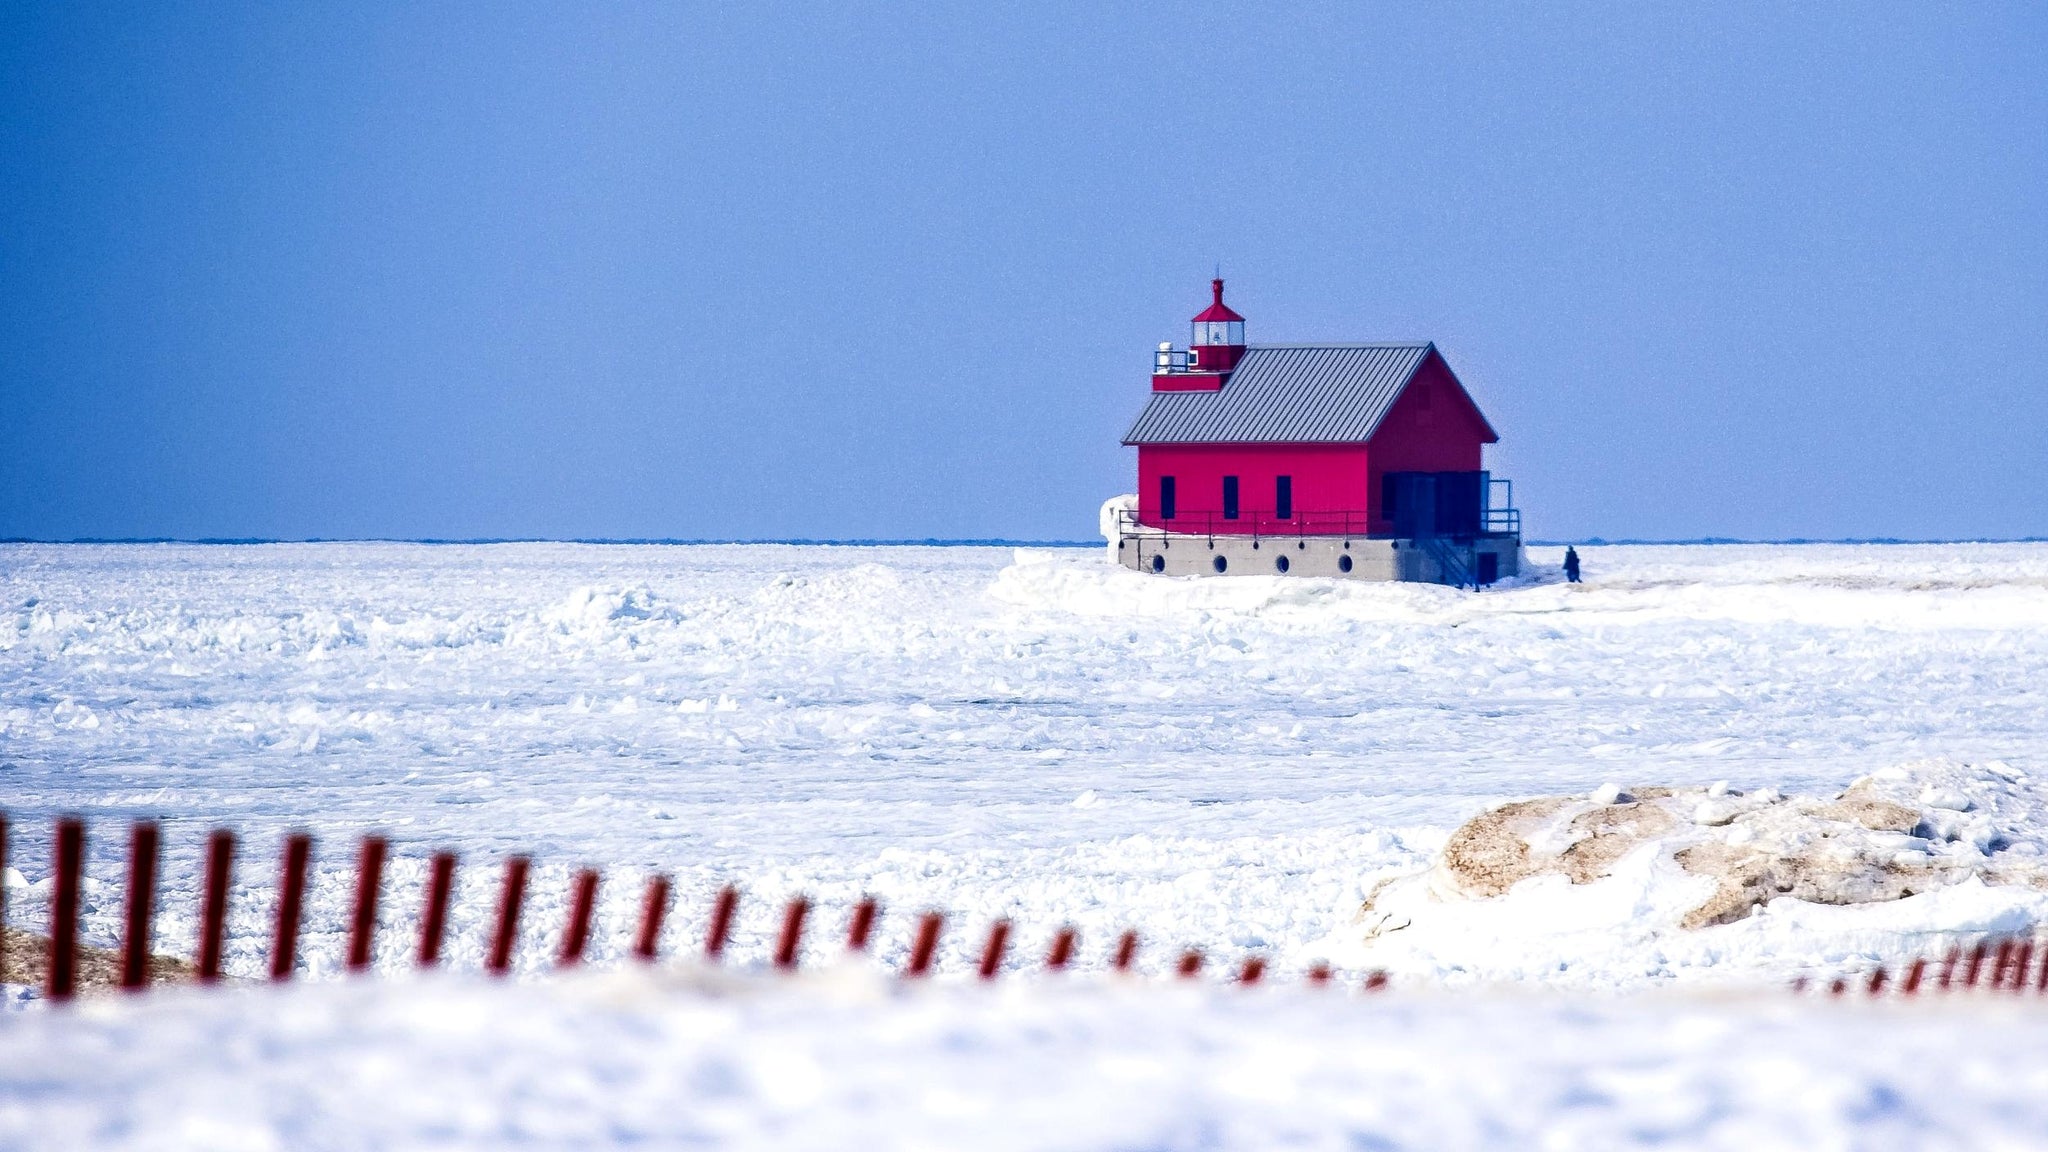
(1217, 310)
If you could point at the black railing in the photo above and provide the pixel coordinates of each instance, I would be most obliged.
(1260, 524)
(1254, 523)
(1501, 515)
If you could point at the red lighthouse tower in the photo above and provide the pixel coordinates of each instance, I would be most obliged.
(1215, 345)
(1218, 340)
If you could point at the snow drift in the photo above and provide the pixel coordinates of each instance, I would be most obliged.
(645, 1059)
(1888, 867)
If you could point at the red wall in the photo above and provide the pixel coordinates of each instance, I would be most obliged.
(1433, 427)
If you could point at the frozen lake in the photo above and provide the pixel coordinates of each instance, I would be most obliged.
(1034, 733)
(1040, 735)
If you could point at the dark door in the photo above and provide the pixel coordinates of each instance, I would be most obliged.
(1415, 511)
(1425, 504)
(1230, 497)
(1459, 497)
(1166, 501)
(1283, 497)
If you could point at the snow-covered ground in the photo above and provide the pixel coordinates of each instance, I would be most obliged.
(1038, 734)
(1035, 734)
(847, 1065)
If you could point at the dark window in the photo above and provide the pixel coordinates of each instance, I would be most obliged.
(1230, 497)
(1166, 501)
(1387, 490)
(1283, 497)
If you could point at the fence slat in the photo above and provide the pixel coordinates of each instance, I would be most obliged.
(213, 906)
(1062, 952)
(434, 917)
(3, 892)
(790, 941)
(362, 927)
(1126, 951)
(70, 864)
(1976, 967)
(582, 904)
(992, 952)
(291, 896)
(653, 908)
(924, 946)
(722, 911)
(135, 941)
(499, 960)
(862, 925)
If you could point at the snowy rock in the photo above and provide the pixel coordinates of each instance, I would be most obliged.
(1714, 813)
(1645, 868)
(1947, 798)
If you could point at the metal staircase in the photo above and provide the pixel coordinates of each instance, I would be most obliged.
(1455, 563)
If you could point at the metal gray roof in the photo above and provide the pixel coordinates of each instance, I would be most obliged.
(1287, 393)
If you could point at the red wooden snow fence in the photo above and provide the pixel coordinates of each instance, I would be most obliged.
(2015, 963)
(373, 854)
(2012, 964)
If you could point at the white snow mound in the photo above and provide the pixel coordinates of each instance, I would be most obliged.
(1657, 878)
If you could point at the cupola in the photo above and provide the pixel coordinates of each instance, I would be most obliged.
(1218, 340)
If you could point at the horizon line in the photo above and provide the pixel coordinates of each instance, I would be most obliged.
(936, 541)
(675, 541)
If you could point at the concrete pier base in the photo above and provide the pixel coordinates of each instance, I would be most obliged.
(1339, 557)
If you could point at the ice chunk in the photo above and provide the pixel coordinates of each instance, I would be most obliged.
(1937, 797)
(1715, 813)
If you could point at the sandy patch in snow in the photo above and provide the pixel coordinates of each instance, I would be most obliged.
(26, 960)
(1897, 860)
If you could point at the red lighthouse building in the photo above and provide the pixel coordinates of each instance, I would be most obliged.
(1354, 460)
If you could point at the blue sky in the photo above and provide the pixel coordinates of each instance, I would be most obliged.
(681, 270)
